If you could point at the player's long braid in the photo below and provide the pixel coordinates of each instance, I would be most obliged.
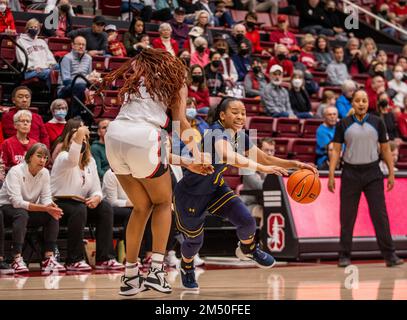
(163, 74)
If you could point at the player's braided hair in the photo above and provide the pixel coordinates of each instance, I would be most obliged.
(163, 74)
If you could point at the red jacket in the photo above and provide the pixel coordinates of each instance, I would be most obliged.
(402, 124)
(201, 97)
(157, 43)
(7, 20)
(254, 38)
(38, 131)
(287, 65)
(117, 49)
(13, 151)
(54, 130)
(286, 38)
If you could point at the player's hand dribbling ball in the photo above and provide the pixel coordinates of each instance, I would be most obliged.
(303, 186)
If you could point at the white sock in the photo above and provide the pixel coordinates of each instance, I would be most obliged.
(131, 269)
(157, 260)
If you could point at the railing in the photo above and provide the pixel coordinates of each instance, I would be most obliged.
(15, 70)
(375, 17)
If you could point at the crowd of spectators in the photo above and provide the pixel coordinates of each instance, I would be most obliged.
(282, 74)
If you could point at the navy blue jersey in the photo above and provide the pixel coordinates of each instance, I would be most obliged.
(197, 184)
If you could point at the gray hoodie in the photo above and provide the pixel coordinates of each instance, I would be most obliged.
(39, 55)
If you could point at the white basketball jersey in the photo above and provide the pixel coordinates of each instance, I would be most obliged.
(144, 109)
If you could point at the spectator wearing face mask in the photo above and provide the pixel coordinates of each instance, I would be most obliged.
(55, 126)
(198, 88)
(399, 86)
(388, 16)
(201, 54)
(281, 58)
(275, 98)
(378, 86)
(299, 98)
(40, 59)
(229, 70)
(255, 81)
(237, 37)
(253, 34)
(6, 18)
(214, 77)
(384, 111)
(242, 61)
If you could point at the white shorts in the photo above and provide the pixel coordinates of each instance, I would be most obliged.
(135, 148)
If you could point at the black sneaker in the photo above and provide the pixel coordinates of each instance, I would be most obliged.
(344, 262)
(394, 261)
(156, 280)
(131, 286)
(5, 268)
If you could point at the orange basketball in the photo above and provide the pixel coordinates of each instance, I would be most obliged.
(303, 186)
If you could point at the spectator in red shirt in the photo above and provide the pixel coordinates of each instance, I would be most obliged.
(115, 47)
(282, 35)
(307, 56)
(14, 149)
(164, 41)
(59, 110)
(198, 88)
(21, 97)
(378, 86)
(253, 34)
(281, 59)
(402, 120)
(6, 18)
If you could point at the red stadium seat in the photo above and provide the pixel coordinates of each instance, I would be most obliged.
(8, 52)
(304, 150)
(309, 128)
(282, 147)
(286, 127)
(110, 8)
(116, 62)
(108, 105)
(59, 44)
(99, 63)
(402, 161)
(263, 125)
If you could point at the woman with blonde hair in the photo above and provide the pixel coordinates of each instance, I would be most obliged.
(369, 51)
(202, 20)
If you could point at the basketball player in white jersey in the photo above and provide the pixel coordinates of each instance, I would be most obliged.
(154, 84)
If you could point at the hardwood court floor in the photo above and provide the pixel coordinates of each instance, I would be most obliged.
(284, 282)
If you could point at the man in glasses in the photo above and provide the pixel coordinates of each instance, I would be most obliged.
(96, 37)
(74, 63)
(98, 149)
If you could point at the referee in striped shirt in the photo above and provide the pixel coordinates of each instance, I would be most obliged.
(362, 133)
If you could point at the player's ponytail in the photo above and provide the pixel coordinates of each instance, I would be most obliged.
(222, 106)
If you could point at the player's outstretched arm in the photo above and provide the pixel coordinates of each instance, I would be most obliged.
(228, 155)
(265, 159)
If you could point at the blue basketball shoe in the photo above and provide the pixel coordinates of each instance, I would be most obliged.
(261, 258)
(188, 280)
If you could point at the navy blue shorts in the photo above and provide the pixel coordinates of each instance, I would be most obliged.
(191, 210)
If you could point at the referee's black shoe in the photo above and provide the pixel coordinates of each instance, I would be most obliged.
(394, 261)
(344, 262)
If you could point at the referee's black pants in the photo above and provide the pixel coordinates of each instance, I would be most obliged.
(369, 180)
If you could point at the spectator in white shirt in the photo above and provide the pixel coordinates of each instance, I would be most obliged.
(399, 86)
(76, 185)
(25, 200)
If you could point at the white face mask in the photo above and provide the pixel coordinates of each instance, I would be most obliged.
(3, 7)
(297, 83)
(398, 75)
(277, 82)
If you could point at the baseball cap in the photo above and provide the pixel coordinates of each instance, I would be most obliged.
(180, 10)
(196, 31)
(110, 27)
(282, 18)
(275, 68)
(99, 20)
(295, 48)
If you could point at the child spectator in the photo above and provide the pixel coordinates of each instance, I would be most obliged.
(115, 47)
